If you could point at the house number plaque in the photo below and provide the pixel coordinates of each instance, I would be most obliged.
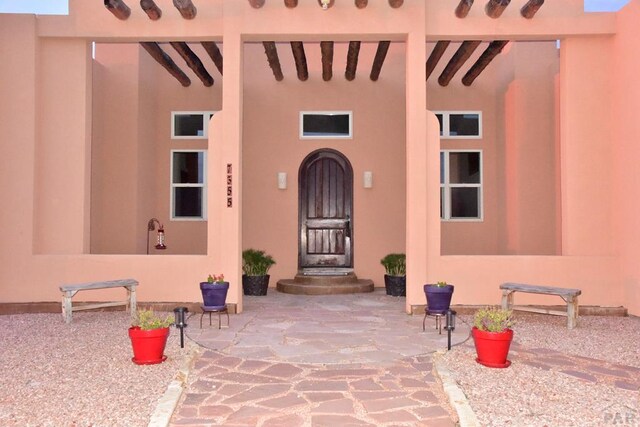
(229, 186)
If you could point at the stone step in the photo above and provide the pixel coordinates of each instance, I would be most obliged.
(325, 278)
(324, 285)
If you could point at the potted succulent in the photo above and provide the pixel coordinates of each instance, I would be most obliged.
(255, 266)
(438, 297)
(214, 291)
(395, 279)
(148, 335)
(492, 335)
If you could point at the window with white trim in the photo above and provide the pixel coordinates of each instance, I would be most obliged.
(188, 185)
(326, 124)
(190, 124)
(460, 124)
(460, 185)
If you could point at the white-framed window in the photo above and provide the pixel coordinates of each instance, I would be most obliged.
(461, 185)
(190, 124)
(188, 185)
(326, 124)
(460, 124)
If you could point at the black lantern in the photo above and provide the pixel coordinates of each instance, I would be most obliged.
(450, 325)
(180, 314)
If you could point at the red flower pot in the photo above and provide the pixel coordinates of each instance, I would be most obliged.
(492, 348)
(148, 346)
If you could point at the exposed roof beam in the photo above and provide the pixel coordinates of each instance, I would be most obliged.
(381, 54)
(463, 8)
(151, 9)
(214, 52)
(118, 7)
(530, 9)
(495, 8)
(460, 57)
(186, 8)
(256, 3)
(495, 47)
(352, 60)
(291, 3)
(297, 48)
(361, 4)
(272, 56)
(435, 56)
(327, 60)
(330, 4)
(165, 60)
(193, 62)
(395, 3)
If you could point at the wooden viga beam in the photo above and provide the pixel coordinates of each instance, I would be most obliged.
(352, 60)
(493, 50)
(361, 4)
(193, 62)
(494, 8)
(531, 8)
(257, 4)
(329, 4)
(395, 3)
(381, 54)
(214, 52)
(297, 48)
(435, 55)
(463, 8)
(272, 57)
(151, 9)
(118, 7)
(291, 3)
(186, 8)
(460, 57)
(165, 60)
(326, 48)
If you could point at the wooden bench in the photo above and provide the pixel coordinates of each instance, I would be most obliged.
(570, 296)
(68, 291)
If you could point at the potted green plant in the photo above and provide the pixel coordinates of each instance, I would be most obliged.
(148, 335)
(395, 279)
(214, 291)
(438, 297)
(255, 268)
(492, 335)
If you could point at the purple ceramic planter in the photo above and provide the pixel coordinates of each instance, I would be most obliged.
(438, 298)
(214, 294)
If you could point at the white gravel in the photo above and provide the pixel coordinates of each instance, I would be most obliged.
(81, 374)
(523, 395)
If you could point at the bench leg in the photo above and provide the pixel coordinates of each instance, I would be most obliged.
(67, 310)
(133, 305)
(572, 312)
(507, 299)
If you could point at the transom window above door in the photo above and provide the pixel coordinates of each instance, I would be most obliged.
(190, 124)
(460, 124)
(326, 124)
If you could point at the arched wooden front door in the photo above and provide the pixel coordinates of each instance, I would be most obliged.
(325, 183)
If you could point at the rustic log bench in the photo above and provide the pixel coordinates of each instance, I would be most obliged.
(570, 296)
(68, 291)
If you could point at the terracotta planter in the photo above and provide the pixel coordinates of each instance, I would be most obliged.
(492, 348)
(148, 346)
(395, 285)
(438, 298)
(214, 295)
(255, 285)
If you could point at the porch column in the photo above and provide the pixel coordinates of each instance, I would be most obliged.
(417, 167)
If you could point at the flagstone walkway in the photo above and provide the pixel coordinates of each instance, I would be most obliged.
(335, 360)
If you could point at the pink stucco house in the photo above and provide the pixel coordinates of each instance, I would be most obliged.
(488, 149)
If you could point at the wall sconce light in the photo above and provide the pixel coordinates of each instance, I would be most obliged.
(368, 179)
(181, 322)
(450, 325)
(159, 238)
(282, 180)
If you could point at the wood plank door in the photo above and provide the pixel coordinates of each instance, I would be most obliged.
(325, 183)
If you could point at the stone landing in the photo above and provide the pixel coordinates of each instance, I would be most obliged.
(305, 284)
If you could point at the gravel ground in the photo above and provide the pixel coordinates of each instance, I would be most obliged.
(524, 395)
(79, 374)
